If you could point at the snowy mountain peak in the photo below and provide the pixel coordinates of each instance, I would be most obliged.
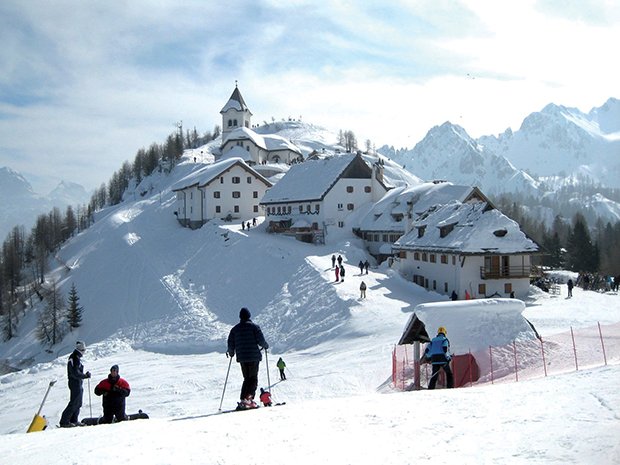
(13, 184)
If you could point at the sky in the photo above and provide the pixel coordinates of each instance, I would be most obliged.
(159, 301)
(87, 84)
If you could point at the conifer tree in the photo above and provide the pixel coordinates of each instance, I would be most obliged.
(74, 310)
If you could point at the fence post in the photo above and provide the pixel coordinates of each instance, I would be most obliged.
(514, 348)
(602, 343)
(542, 349)
(572, 335)
(491, 359)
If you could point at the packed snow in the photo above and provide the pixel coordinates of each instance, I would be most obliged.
(160, 299)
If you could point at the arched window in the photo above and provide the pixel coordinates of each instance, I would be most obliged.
(235, 123)
(229, 123)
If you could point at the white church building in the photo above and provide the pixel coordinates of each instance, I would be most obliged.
(239, 140)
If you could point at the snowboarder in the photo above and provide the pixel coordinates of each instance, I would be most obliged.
(75, 375)
(341, 273)
(265, 397)
(246, 340)
(361, 265)
(363, 290)
(281, 366)
(570, 286)
(438, 354)
(333, 261)
(114, 390)
(366, 266)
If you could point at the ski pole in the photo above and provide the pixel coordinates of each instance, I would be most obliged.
(90, 405)
(267, 363)
(225, 383)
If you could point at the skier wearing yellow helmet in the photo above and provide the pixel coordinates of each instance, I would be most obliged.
(438, 353)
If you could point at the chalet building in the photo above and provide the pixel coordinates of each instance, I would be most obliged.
(239, 140)
(319, 194)
(228, 189)
(390, 218)
(470, 248)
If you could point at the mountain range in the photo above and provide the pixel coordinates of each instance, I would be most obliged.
(21, 206)
(559, 154)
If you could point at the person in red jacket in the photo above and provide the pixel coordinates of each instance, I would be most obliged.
(114, 389)
(265, 397)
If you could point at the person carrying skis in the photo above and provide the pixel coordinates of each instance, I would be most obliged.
(265, 397)
(246, 340)
(281, 366)
(75, 375)
(114, 389)
(438, 353)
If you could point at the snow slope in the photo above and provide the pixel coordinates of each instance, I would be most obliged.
(159, 301)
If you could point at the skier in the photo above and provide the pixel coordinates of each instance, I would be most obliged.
(570, 286)
(114, 389)
(281, 366)
(438, 354)
(265, 397)
(363, 290)
(246, 340)
(75, 375)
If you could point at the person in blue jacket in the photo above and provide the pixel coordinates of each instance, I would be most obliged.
(247, 341)
(75, 375)
(438, 354)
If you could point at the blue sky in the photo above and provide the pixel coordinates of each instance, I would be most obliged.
(86, 84)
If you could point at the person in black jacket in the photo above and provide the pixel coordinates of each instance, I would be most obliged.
(75, 374)
(246, 340)
(114, 389)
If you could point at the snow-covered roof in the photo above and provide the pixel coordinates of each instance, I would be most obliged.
(206, 174)
(308, 181)
(235, 101)
(468, 228)
(269, 142)
(390, 212)
(237, 152)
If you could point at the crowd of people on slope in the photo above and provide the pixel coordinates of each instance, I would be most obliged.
(597, 282)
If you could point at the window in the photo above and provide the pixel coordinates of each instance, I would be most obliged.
(279, 210)
(421, 230)
(289, 209)
(350, 189)
(255, 194)
(236, 208)
(416, 256)
(236, 194)
(191, 195)
(301, 209)
(229, 123)
(236, 179)
(444, 259)
(308, 208)
(317, 207)
(385, 238)
(482, 289)
(249, 179)
(375, 237)
(341, 224)
(222, 180)
(339, 207)
(350, 206)
(216, 194)
(255, 209)
(367, 189)
(507, 288)
(235, 123)
(268, 211)
(445, 230)
(424, 257)
(433, 259)
(218, 209)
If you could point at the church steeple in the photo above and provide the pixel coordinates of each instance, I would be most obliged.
(235, 113)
